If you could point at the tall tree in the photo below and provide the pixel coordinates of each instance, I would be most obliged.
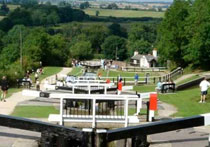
(96, 34)
(172, 38)
(198, 34)
(114, 47)
(117, 30)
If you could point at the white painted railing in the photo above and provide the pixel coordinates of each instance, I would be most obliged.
(93, 117)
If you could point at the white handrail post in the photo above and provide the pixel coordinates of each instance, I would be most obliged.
(94, 113)
(61, 111)
(139, 105)
(105, 89)
(88, 89)
(126, 112)
(73, 89)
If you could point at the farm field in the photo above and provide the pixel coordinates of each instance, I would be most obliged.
(124, 13)
(1, 17)
(11, 7)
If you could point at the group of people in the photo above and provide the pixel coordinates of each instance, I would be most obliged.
(159, 85)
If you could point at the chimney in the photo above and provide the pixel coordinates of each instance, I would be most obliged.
(136, 53)
(154, 52)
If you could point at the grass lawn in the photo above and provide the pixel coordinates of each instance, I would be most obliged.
(187, 102)
(76, 71)
(34, 111)
(124, 13)
(48, 71)
(144, 88)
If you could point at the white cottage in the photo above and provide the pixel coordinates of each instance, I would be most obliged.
(144, 61)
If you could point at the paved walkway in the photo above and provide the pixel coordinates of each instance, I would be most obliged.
(10, 137)
(184, 77)
(8, 106)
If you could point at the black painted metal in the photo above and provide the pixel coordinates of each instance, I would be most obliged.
(168, 86)
(44, 94)
(38, 126)
(140, 141)
(191, 83)
(147, 104)
(155, 127)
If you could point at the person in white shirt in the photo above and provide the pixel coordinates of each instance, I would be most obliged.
(204, 87)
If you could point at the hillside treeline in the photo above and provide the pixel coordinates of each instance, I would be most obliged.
(184, 34)
(45, 15)
(37, 33)
(57, 46)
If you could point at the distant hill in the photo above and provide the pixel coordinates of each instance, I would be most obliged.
(156, 1)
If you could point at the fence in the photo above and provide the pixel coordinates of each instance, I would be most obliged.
(148, 79)
(137, 69)
(97, 108)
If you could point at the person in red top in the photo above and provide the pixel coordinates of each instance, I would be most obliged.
(108, 81)
(99, 75)
(119, 87)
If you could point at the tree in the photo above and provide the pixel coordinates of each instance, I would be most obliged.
(40, 46)
(4, 10)
(97, 13)
(63, 4)
(197, 51)
(172, 39)
(82, 50)
(84, 5)
(20, 16)
(116, 29)
(53, 18)
(96, 34)
(141, 38)
(72, 30)
(112, 6)
(11, 50)
(142, 46)
(114, 47)
(140, 31)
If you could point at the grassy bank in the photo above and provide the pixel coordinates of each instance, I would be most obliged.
(76, 71)
(34, 111)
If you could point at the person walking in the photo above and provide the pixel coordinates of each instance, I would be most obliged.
(119, 87)
(4, 88)
(136, 78)
(204, 87)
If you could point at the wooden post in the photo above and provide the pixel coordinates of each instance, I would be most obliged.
(124, 81)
